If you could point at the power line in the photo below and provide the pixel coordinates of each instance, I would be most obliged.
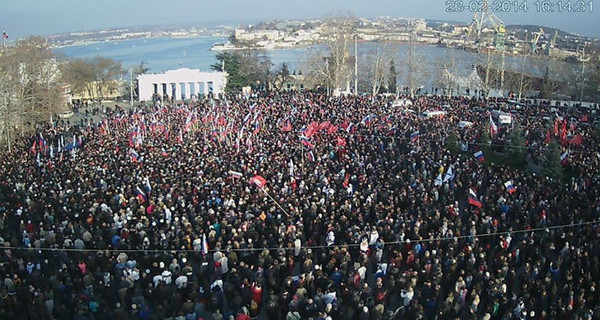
(454, 238)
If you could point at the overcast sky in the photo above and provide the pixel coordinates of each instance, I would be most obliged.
(20, 18)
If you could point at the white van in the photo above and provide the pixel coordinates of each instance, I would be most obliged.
(432, 114)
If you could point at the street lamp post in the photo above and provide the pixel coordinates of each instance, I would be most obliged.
(355, 65)
(582, 74)
(328, 76)
(131, 87)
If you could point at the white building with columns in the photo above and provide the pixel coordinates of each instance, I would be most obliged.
(181, 84)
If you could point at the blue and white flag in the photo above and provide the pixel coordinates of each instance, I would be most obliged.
(438, 181)
(449, 174)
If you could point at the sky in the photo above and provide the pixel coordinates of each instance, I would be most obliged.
(20, 18)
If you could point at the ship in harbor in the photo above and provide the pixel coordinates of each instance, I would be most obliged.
(224, 46)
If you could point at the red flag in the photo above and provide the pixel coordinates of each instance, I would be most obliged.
(473, 199)
(258, 181)
(324, 125)
(294, 184)
(312, 129)
(584, 118)
(493, 127)
(577, 139)
(287, 126)
(345, 125)
(341, 142)
(548, 136)
(332, 129)
(346, 180)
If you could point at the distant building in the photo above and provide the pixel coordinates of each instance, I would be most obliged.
(243, 35)
(294, 82)
(420, 25)
(181, 84)
(108, 90)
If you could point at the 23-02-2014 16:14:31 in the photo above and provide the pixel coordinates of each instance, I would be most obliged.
(517, 6)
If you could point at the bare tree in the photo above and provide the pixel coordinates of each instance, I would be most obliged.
(30, 87)
(414, 74)
(106, 70)
(78, 73)
(376, 66)
(446, 71)
(281, 76)
(524, 83)
(332, 64)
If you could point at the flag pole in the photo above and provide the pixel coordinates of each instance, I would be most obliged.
(277, 203)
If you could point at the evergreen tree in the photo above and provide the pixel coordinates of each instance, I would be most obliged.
(485, 139)
(551, 164)
(452, 142)
(517, 151)
(231, 62)
(547, 86)
(392, 77)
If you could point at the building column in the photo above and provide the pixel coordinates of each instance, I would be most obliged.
(165, 89)
(201, 88)
(177, 91)
(210, 87)
(191, 89)
(172, 91)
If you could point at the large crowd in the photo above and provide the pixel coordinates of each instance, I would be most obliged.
(300, 206)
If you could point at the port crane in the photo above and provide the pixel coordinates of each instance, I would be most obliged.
(535, 40)
(484, 19)
(553, 41)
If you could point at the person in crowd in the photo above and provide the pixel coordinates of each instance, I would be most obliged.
(301, 206)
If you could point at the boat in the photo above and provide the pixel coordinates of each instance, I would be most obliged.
(224, 47)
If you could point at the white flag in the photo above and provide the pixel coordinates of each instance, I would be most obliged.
(291, 168)
(449, 174)
(438, 181)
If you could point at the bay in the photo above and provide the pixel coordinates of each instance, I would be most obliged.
(161, 54)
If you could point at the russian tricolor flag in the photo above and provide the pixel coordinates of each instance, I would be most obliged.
(564, 158)
(306, 141)
(134, 155)
(367, 120)
(414, 136)
(148, 186)
(204, 245)
(473, 199)
(350, 128)
(235, 174)
(479, 156)
(140, 194)
(311, 156)
(392, 131)
(493, 127)
(510, 187)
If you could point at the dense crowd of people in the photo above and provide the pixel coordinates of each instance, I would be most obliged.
(300, 206)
